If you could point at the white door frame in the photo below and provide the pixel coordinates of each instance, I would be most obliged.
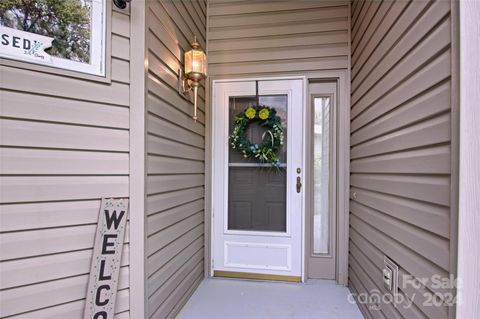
(343, 164)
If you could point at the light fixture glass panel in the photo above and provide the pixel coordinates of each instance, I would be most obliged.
(195, 62)
(188, 61)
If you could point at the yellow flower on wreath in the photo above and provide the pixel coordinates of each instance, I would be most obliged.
(250, 113)
(263, 114)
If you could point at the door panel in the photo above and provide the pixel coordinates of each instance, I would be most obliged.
(257, 222)
(256, 199)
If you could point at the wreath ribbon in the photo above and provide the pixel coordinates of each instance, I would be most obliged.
(271, 135)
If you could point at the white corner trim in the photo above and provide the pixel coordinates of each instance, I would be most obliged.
(138, 308)
(468, 262)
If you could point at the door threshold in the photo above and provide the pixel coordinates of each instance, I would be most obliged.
(247, 275)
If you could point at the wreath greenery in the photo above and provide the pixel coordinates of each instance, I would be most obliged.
(272, 138)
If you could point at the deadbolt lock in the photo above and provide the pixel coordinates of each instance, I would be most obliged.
(299, 184)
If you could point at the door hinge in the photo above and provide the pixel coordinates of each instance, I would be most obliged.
(213, 263)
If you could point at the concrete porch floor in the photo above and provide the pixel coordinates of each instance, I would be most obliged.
(242, 299)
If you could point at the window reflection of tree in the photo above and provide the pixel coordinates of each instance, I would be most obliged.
(67, 21)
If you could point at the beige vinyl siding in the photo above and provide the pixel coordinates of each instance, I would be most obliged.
(271, 37)
(64, 144)
(401, 145)
(174, 160)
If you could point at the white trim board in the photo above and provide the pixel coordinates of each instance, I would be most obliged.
(469, 171)
(137, 191)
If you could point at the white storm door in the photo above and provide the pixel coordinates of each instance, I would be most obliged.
(257, 210)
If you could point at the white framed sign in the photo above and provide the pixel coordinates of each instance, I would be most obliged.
(73, 33)
(107, 253)
(23, 45)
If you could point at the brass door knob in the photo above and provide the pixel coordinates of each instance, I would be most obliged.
(299, 184)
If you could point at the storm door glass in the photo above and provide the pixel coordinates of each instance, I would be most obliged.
(321, 167)
(257, 192)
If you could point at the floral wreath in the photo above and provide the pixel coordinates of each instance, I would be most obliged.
(272, 138)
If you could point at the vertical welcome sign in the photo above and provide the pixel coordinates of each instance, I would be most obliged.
(107, 252)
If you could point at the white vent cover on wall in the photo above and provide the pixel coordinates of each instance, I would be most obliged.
(390, 276)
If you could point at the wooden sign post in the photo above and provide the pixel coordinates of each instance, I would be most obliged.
(107, 252)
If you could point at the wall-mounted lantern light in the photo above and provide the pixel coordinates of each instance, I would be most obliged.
(195, 71)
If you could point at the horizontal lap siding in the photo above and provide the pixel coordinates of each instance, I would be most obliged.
(401, 149)
(272, 37)
(64, 144)
(174, 160)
